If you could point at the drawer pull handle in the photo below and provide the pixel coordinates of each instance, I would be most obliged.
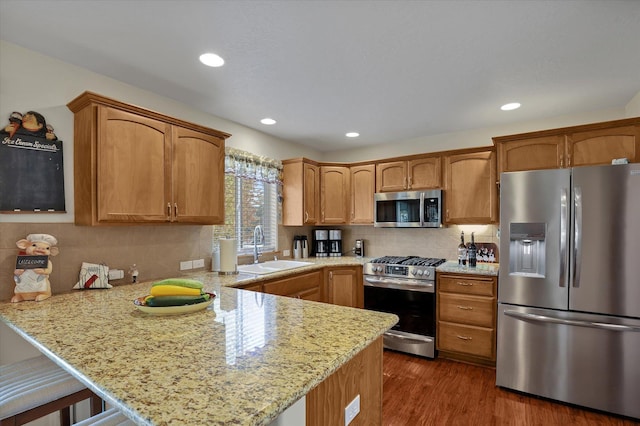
(463, 337)
(462, 283)
(466, 308)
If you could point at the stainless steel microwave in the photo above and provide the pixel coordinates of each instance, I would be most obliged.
(408, 209)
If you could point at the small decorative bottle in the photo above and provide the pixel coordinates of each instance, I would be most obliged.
(472, 252)
(462, 251)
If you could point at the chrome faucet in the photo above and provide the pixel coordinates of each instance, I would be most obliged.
(258, 235)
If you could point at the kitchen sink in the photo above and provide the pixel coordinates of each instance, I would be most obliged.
(271, 266)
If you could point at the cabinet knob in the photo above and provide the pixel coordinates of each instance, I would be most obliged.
(175, 209)
(306, 216)
(168, 211)
(465, 284)
(463, 337)
(466, 308)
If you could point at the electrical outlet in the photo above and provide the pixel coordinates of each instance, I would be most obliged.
(286, 253)
(352, 410)
(116, 274)
(187, 264)
(198, 263)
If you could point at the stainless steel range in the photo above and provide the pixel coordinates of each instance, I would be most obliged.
(405, 286)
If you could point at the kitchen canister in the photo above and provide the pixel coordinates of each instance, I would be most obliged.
(228, 256)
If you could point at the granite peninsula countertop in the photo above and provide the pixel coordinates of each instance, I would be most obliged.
(490, 269)
(242, 361)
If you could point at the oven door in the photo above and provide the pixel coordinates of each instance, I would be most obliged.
(415, 307)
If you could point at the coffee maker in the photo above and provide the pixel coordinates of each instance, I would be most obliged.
(335, 243)
(321, 242)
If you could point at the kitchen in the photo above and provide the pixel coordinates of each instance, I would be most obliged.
(62, 82)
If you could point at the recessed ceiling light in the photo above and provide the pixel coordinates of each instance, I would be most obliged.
(268, 121)
(511, 106)
(352, 134)
(211, 60)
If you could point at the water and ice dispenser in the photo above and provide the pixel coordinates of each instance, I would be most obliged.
(527, 249)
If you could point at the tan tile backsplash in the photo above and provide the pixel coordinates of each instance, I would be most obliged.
(158, 250)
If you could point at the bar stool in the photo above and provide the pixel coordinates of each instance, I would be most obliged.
(110, 417)
(36, 387)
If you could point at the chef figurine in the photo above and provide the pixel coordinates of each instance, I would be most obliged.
(33, 284)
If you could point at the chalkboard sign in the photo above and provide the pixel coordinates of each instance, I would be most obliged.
(31, 172)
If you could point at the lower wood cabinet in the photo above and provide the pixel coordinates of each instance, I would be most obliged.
(344, 286)
(338, 285)
(467, 317)
(306, 286)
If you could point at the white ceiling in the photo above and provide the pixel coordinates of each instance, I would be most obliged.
(391, 70)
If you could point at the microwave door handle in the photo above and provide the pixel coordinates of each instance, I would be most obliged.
(577, 235)
(564, 213)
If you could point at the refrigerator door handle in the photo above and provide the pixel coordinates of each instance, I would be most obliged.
(564, 213)
(577, 235)
(578, 323)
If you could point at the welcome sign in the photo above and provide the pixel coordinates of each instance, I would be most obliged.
(32, 262)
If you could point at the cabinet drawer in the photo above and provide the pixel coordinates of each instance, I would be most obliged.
(467, 309)
(467, 285)
(295, 284)
(467, 339)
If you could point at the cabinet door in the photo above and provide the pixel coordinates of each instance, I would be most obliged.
(345, 287)
(425, 173)
(311, 194)
(133, 179)
(362, 190)
(391, 177)
(471, 194)
(531, 154)
(334, 194)
(198, 177)
(601, 146)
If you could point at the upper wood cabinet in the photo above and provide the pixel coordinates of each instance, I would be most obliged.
(363, 187)
(404, 175)
(301, 192)
(591, 144)
(334, 198)
(600, 146)
(133, 165)
(470, 193)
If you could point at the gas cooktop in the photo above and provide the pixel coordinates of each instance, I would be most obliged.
(408, 260)
(417, 268)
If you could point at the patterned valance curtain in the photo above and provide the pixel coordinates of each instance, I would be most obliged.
(250, 166)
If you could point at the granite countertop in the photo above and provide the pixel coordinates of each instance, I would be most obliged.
(243, 360)
(481, 268)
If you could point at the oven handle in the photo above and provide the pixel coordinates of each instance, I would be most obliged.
(390, 333)
(398, 285)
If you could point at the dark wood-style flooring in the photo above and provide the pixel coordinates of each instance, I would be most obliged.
(418, 391)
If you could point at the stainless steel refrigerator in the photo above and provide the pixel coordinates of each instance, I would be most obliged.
(569, 286)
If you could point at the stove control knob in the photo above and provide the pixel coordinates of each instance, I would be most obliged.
(378, 268)
(420, 272)
(427, 273)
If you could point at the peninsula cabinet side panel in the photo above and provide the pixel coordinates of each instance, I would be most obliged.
(362, 376)
(84, 182)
